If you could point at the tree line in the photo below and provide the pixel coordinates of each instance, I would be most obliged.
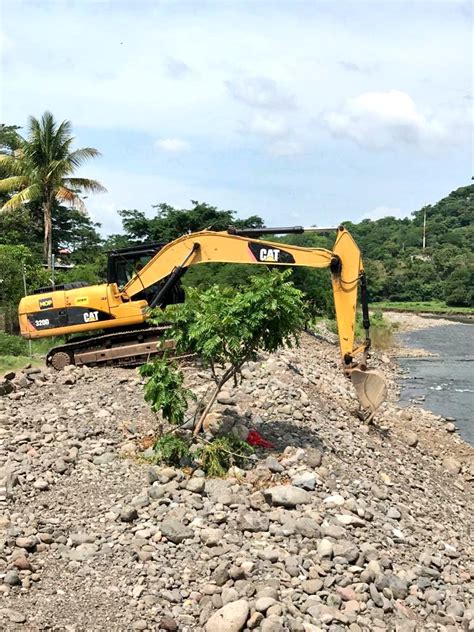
(42, 212)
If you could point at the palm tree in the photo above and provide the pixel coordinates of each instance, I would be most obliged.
(40, 169)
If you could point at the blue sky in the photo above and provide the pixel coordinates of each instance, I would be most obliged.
(303, 112)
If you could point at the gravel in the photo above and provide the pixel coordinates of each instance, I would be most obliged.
(340, 526)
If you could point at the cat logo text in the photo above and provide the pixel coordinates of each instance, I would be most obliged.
(91, 317)
(270, 254)
(267, 253)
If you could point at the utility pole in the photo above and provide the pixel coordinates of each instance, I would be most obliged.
(30, 352)
(53, 263)
(424, 227)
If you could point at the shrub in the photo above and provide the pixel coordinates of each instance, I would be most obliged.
(171, 450)
(12, 345)
(219, 455)
(164, 389)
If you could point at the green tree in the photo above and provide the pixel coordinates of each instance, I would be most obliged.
(227, 328)
(397, 268)
(170, 223)
(460, 286)
(14, 262)
(75, 231)
(40, 168)
(19, 229)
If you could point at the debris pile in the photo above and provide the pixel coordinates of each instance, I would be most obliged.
(339, 526)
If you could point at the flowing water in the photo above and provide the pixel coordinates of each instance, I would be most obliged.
(447, 380)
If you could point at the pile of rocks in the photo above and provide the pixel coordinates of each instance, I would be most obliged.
(340, 527)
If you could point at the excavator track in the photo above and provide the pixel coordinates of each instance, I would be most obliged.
(122, 348)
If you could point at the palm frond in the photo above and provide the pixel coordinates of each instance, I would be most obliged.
(62, 141)
(10, 140)
(85, 185)
(58, 169)
(16, 201)
(79, 156)
(44, 164)
(13, 165)
(13, 183)
(70, 197)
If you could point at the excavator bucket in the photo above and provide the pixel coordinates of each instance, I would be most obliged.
(370, 387)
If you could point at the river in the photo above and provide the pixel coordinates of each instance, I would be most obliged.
(447, 380)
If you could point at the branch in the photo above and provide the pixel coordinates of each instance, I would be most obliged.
(227, 375)
(213, 371)
(232, 371)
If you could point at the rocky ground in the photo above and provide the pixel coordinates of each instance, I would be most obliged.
(407, 321)
(340, 527)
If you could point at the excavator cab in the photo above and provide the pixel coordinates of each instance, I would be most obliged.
(124, 263)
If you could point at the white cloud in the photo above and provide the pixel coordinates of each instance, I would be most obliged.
(385, 211)
(176, 68)
(173, 145)
(142, 69)
(278, 135)
(286, 147)
(160, 70)
(261, 92)
(384, 119)
(269, 125)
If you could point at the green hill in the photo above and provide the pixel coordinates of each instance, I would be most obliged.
(399, 269)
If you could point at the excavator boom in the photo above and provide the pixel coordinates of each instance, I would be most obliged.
(222, 247)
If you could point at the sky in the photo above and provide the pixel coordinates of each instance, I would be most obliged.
(303, 112)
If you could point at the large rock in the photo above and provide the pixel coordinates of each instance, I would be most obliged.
(83, 552)
(307, 527)
(212, 537)
(252, 521)
(217, 423)
(230, 618)
(398, 586)
(175, 531)
(410, 438)
(305, 480)
(196, 484)
(325, 548)
(6, 388)
(451, 465)
(287, 496)
(11, 578)
(346, 550)
(312, 586)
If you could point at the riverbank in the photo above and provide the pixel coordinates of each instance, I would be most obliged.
(423, 307)
(407, 321)
(338, 525)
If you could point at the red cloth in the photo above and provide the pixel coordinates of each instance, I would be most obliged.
(254, 438)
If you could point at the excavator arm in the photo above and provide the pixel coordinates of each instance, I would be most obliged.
(344, 262)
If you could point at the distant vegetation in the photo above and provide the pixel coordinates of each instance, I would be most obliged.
(14, 351)
(432, 307)
(398, 269)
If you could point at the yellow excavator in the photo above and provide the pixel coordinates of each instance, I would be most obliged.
(109, 321)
